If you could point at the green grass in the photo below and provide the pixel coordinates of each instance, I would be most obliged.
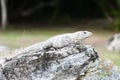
(25, 37)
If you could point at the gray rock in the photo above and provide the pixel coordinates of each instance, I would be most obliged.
(107, 62)
(67, 63)
(73, 62)
(103, 72)
(114, 43)
(3, 48)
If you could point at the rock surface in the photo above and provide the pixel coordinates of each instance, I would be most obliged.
(73, 62)
(103, 71)
(67, 63)
(114, 43)
(3, 48)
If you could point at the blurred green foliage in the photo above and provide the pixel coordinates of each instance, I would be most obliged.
(113, 9)
(109, 9)
(117, 16)
(65, 11)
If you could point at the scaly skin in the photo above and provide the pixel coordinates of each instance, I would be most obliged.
(59, 41)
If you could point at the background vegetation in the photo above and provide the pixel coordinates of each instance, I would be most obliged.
(62, 11)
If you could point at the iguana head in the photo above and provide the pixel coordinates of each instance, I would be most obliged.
(80, 35)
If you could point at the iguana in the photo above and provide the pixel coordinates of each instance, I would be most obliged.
(59, 41)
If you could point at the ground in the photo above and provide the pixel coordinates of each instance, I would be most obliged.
(20, 38)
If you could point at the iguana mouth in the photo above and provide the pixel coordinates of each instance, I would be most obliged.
(91, 33)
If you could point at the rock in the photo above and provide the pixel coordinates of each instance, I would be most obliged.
(67, 63)
(103, 72)
(2, 61)
(115, 68)
(17, 51)
(72, 62)
(107, 62)
(3, 48)
(114, 43)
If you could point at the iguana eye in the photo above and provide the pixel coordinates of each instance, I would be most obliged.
(84, 32)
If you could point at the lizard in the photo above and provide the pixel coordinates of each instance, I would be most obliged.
(59, 41)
